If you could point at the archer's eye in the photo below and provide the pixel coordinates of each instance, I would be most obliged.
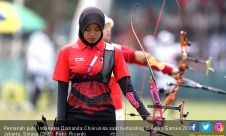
(97, 29)
(88, 29)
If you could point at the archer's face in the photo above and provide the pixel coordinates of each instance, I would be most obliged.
(92, 33)
(107, 32)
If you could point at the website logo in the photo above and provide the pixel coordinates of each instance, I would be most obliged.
(205, 127)
(219, 127)
(194, 127)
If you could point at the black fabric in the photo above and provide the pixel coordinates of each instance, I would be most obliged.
(76, 114)
(108, 64)
(61, 103)
(35, 96)
(126, 87)
(91, 101)
(91, 15)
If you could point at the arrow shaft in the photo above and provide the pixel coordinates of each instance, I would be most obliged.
(204, 87)
(212, 89)
(196, 60)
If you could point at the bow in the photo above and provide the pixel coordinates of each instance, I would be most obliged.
(182, 65)
(157, 115)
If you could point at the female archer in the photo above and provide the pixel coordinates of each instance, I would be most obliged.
(88, 64)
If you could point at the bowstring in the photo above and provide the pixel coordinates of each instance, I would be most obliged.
(159, 18)
(181, 14)
(154, 34)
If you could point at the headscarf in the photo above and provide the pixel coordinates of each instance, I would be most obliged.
(91, 15)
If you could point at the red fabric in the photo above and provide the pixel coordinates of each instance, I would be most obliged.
(120, 69)
(116, 94)
(75, 59)
(61, 71)
(167, 69)
(155, 68)
(129, 55)
(53, 132)
(76, 103)
(97, 88)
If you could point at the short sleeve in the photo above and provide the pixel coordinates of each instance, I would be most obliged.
(61, 72)
(128, 54)
(120, 69)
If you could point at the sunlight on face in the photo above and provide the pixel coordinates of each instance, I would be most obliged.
(107, 32)
(92, 33)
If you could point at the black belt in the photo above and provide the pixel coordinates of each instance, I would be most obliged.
(94, 100)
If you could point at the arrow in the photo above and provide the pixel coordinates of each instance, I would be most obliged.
(192, 84)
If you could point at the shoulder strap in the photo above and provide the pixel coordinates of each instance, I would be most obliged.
(108, 62)
(109, 46)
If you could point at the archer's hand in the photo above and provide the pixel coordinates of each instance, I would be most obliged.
(175, 73)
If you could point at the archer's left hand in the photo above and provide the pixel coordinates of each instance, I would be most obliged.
(175, 73)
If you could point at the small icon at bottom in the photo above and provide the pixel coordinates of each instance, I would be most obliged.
(194, 127)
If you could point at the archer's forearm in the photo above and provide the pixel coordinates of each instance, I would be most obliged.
(61, 102)
(127, 89)
(138, 57)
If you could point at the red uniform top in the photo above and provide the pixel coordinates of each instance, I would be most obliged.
(75, 59)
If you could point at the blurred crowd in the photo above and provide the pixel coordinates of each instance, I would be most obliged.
(203, 20)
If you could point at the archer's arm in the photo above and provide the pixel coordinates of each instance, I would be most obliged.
(138, 57)
(131, 95)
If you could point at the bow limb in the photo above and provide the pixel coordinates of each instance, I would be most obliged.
(154, 34)
(159, 18)
(141, 46)
(153, 87)
(182, 63)
(157, 117)
(181, 67)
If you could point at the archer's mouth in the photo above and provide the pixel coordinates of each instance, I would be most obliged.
(92, 39)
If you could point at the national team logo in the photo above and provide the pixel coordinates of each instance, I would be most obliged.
(79, 59)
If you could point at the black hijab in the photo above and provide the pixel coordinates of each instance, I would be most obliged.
(91, 15)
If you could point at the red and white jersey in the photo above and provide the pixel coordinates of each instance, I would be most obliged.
(76, 58)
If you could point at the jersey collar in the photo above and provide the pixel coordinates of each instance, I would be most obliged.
(82, 46)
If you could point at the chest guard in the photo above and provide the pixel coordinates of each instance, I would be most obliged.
(104, 75)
